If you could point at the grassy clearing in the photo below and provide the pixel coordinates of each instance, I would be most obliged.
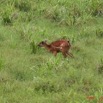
(29, 74)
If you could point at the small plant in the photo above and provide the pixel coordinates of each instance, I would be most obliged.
(99, 33)
(47, 87)
(51, 13)
(1, 64)
(6, 18)
(100, 67)
(7, 14)
(95, 8)
(24, 32)
(74, 13)
(23, 5)
(33, 47)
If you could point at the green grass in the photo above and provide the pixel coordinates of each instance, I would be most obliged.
(29, 74)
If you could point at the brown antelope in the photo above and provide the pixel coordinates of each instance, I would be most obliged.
(57, 46)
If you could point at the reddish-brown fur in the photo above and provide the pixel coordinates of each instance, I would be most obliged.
(57, 46)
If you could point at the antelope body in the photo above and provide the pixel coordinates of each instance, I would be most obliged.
(55, 47)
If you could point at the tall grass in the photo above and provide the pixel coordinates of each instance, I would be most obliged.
(63, 12)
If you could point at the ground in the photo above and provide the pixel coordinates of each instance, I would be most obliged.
(29, 74)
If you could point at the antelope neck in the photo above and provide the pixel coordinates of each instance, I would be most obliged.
(47, 46)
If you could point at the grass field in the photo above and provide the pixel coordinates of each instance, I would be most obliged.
(29, 74)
